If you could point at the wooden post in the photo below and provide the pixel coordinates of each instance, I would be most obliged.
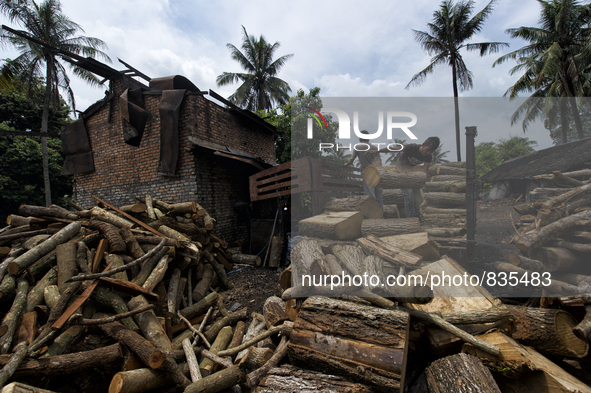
(471, 133)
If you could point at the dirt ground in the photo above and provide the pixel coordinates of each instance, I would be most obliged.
(252, 286)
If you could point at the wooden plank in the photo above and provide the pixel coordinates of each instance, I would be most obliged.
(135, 220)
(98, 257)
(274, 178)
(128, 287)
(77, 303)
(220, 258)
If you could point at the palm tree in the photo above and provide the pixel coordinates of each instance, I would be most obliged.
(260, 88)
(553, 62)
(46, 23)
(439, 155)
(450, 30)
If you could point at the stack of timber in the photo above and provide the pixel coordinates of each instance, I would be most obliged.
(121, 299)
(554, 236)
(360, 337)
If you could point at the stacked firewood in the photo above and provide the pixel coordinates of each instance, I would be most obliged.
(475, 341)
(125, 288)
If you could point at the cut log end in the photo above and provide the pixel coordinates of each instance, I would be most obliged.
(156, 360)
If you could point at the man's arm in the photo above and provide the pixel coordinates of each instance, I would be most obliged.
(352, 158)
(426, 169)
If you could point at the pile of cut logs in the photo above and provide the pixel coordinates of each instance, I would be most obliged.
(419, 336)
(127, 291)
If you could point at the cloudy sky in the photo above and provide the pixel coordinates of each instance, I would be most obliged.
(347, 48)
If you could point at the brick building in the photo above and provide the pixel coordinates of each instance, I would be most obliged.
(170, 141)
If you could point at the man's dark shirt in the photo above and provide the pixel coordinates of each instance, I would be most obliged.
(411, 156)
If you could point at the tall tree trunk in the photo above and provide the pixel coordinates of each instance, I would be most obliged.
(456, 109)
(576, 117)
(44, 128)
(563, 119)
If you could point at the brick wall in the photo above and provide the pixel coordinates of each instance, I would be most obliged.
(123, 172)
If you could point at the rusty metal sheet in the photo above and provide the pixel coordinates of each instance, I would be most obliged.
(169, 134)
(76, 148)
(133, 116)
(172, 83)
(78, 163)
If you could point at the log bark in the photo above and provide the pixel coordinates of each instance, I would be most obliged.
(390, 227)
(351, 257)
(40, 211)
(336, 336)
(10, 319)
(445, 232)
(583, 328)
(66, 263)
(289, 379)
(449, 211)
(15, 360)
(219, 381)
(117, 262)
(36, 294)
(219, 270)
(388, 178)
(254, 329)
(441, 169)
(555, 287)
(459, 373)
(570, 245)
(555, 258)
(391, 211)
(70, 363)
(157, 274)
(143, 348)
(447, 178)
(274, 311)
(333, 225)
(527, 263)
(394, 197)
(555, 229)
(417, 243)
(106, 216)
(374, 246)
(367, 205)
(132, 244)
(230, 319)
(256, 357)
(566, 196)
(149, 324)
(221, 342)
(203, 285)
(444, 186)
(30, 257)
(445, 199)
(111, 233)
(517, 363)
(255, 377)
(245, 259)
(548, 331)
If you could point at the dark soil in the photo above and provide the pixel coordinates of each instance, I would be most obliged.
(251, 287)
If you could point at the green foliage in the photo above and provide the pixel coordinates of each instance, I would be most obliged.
(291, 120)
(439, 155)
(449, 33)
(339, 156)
(490, 155)
(487, 158)
(555, 62)
(260, 88)
(21, 179)
(21, 113)
(514, 147)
